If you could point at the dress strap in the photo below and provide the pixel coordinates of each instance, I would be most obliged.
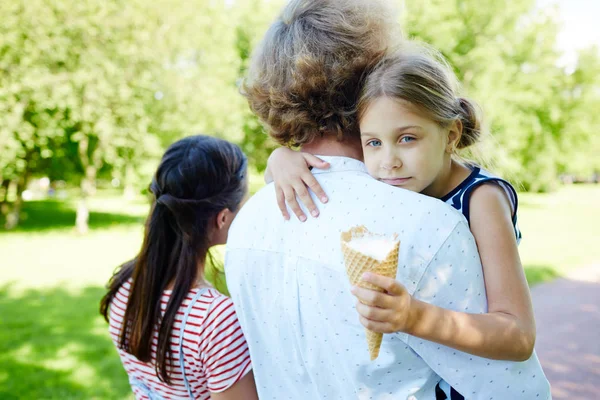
(181, 332)
(137, 383)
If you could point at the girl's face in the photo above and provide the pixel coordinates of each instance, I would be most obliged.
(404, 148)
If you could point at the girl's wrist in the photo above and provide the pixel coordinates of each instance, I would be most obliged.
(280, 151)
(273, 157)
(416, 312)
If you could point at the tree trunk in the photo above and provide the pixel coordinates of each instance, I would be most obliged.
(88, 187)
(14, 213)
(91, 160)
(4, 191)
(4, 205)
(128, 186)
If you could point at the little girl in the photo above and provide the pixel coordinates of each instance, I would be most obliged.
(412, 122)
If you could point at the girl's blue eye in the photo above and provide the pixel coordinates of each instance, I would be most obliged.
(407, 139)
(374, 143)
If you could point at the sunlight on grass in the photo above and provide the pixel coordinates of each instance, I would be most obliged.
(561, 231)
(51, 336)
(69, 260)
(67, 359)
(24, 353)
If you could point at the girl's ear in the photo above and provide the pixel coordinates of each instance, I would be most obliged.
(220, 227)
(454, 135)
(222, 218)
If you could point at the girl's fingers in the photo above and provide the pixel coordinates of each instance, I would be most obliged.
(314, 185)
(281, 202)
(373, 313)
(381, 327)
(390, 285)
(302, 193)
(314, 161)
(290, 199)
(371, 297)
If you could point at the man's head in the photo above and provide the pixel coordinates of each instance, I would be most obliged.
(306, 74)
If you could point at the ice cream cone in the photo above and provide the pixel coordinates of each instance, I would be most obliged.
(357, 263)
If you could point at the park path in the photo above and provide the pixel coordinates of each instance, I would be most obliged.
(567, 312)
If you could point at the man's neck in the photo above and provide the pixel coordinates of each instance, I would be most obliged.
(331, 147)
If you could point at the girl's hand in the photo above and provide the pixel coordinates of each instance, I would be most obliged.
(289, 170)
(386, 312)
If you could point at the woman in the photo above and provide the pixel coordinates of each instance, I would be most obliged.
(178, 337)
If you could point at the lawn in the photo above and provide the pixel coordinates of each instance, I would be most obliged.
(54, 345)
(561, 231)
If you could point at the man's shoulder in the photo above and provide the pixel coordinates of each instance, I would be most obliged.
(260, 207)
(260, 202)
(383, 198)
(354, 196)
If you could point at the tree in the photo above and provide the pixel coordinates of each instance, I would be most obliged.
(254, 18)
(580, 143)
(117, 79)
(505, 55)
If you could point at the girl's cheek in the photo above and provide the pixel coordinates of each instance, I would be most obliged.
(371, 165)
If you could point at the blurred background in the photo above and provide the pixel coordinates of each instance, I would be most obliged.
(92, 92)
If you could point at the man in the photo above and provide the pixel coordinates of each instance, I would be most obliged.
(287, 278)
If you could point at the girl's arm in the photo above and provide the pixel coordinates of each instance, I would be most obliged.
(290, 172)
(506, 332)
(244, 389)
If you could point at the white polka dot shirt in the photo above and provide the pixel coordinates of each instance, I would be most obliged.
(292, 296)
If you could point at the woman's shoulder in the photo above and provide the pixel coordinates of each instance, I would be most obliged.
(215, 306)
(208, 298)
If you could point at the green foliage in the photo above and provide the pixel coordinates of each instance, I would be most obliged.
(102, 87)
(254, 18)
(109, 84)
(539, 114)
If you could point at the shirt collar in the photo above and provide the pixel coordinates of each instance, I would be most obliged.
(340, 164)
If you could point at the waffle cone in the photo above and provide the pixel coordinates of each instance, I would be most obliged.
(358, 263)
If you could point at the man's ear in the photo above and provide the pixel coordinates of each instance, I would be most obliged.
(454, 135)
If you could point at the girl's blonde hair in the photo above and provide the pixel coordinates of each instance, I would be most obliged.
(420, 76)
(306, 75)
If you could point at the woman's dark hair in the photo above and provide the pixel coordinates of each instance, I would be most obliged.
(198, 177)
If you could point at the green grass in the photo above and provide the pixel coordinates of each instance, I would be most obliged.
(561, 231)
(53, 343)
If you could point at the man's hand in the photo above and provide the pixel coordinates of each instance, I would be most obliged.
(386, 312)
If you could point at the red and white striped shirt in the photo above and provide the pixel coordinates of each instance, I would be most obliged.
(215, 351)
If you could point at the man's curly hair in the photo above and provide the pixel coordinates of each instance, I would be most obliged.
(306, 75)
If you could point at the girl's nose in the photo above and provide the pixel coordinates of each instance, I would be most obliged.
(391, 162)
(390, 167)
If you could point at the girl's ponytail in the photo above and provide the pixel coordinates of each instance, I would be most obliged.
(469, 115)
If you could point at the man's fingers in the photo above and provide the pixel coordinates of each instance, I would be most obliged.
(390, 285)
(302, 193)
(314, 185)
(290, 199)
(281, 202)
